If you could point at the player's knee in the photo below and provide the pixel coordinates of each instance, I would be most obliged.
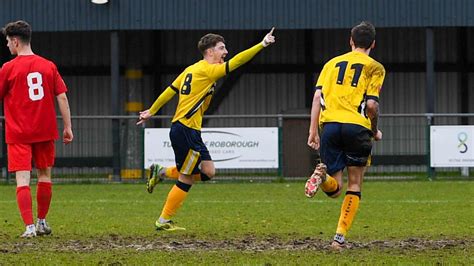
(208, 175)
(209, 172)
(44, 175)
(44, 178)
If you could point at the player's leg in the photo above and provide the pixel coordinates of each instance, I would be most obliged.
(350, 205)
(332, 185)
(43, 154)
(357, 146)
(158, 173)
(44, 193)
(19, 161)
(328, 174)
(174, 201)
(206, 167)
(187, 159)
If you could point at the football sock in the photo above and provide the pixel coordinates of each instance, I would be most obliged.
(349, 208)
(330, 186)
(172, 172)
(43, 198)
(23, 198)
(175, 199)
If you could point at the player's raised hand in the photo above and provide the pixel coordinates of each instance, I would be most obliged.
(144, 115)
(269, 38)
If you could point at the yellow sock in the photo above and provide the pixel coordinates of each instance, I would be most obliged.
(172, 172)
(175, 199)
(349, 208)
(330, 185)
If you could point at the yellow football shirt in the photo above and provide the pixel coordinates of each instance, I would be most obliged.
(347, 82)
(195, 86)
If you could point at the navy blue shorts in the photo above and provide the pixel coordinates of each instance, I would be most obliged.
(189, 149)
(345, 145)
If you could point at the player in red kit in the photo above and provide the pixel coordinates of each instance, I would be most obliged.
(28, 86)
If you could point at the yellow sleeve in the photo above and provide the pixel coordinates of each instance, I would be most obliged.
(376, 80)
(217, 71)
(164, 97)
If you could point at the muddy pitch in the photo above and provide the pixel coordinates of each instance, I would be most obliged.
(115, 242)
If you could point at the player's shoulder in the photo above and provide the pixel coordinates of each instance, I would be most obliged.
(336, 59)
(44, 60)
(7, 65)
(193, 67)
(200, 67)
(376, 65)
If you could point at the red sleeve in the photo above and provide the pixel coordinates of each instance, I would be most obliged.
(59, 85)
(3, 82)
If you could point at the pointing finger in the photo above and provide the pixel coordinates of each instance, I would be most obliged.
(271, 31)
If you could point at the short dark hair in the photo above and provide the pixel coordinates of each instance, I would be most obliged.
(208, 41)
(363, 35)
(20, 29)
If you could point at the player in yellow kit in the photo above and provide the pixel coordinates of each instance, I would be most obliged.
(194, 87)
(345, 106)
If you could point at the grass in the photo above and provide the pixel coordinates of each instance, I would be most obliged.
(412, 222)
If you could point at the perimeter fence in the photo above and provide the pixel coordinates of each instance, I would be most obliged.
(111, 148)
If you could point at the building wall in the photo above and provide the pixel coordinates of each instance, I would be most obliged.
(84, 58)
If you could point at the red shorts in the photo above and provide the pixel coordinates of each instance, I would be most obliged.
(20, 155)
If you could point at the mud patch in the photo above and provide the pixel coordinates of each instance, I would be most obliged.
(115, 242)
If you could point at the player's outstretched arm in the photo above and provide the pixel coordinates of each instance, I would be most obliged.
(164, 97)
(63, 104)
(245, 56)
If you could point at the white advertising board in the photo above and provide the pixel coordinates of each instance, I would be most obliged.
(230, 148)
(452, 146)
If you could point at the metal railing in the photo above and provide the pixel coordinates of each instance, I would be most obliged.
(93, 156)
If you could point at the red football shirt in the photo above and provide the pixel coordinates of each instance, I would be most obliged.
(28, 86)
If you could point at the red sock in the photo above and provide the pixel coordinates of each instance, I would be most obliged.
(23, 198)
(43, 198)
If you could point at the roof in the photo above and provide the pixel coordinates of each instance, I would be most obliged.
(82, 15)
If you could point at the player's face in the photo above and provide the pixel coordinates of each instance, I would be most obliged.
(219, 52)
(12, 44)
